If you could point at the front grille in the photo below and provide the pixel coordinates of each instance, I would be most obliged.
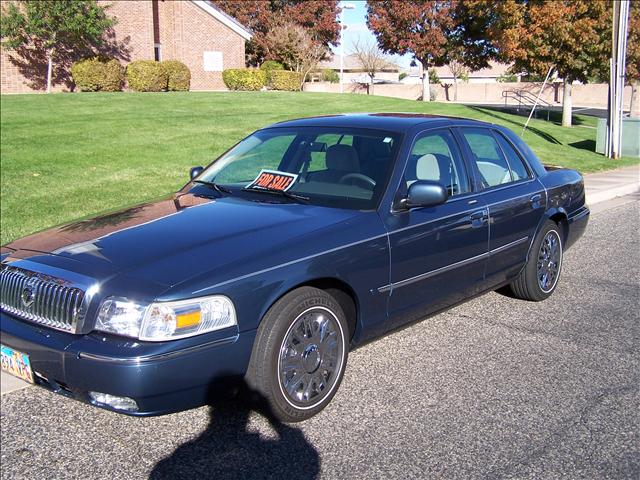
(40, 298)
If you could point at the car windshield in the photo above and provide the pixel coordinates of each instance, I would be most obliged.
(334, 167)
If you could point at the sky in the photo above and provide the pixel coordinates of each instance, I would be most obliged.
(356, 22)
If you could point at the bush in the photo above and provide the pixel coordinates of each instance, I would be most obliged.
(286, 80)
(271, 65)
(433, 77)
(507, 77)
(244, 78)
(329, 75)
(98, 75)
(268, 67)
(146, 76)
(402, 76)
(178, 75)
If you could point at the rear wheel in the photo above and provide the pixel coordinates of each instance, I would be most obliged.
(539, 278)
(299, 354)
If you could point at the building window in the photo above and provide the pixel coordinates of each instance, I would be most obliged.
(157, 54)
(212, 61)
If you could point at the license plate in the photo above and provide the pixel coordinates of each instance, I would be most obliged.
(16, 363)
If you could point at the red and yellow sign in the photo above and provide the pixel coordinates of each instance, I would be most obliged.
(273, 180)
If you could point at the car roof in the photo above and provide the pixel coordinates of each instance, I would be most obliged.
(394, 122)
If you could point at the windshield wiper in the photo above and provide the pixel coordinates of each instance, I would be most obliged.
(283, 193)
(214, 186)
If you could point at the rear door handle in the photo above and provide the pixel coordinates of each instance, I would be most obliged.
(535, 200)
(478, 218)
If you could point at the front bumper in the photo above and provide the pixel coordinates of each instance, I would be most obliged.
(161, 377)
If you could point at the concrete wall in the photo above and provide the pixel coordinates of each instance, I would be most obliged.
(594, 95)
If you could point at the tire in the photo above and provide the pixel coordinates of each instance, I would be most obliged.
(299, 354)
(545, 258)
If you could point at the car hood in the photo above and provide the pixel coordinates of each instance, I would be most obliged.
(182, 236)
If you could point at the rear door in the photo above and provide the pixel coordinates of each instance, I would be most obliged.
(438, 253)
(515, 199)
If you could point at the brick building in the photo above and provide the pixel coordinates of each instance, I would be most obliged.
(195, 32)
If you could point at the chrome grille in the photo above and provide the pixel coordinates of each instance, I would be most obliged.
(40, 298)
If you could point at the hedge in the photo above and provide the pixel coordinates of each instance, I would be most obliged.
(98, 75)
(269, 66)
(244, 79)
(329, 75)
(146, 76)
(178, 75)
(286, 80)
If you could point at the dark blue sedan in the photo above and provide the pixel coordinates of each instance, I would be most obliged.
(306, 239)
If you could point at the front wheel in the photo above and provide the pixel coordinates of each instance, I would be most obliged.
(299, 354)
(539, 278)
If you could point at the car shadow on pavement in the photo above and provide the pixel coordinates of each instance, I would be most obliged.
(227, 449)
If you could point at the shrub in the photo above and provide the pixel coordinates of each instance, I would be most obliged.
(286, 80)
(271, 65)
(507, 77)
(244, 78)
(178, 75)
(433, 77)
(146, 76)
(402, 76)
(329, 75)
(268, 67)
(98, 75)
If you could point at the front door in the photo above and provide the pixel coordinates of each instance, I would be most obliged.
(438, 253)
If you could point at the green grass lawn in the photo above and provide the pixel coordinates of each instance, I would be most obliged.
(66, 156)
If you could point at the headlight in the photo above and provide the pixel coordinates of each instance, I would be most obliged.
(165, 320)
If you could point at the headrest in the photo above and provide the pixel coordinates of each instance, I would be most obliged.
(427, 167)
(343, 158)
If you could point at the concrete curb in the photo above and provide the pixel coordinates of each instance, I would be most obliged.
(603, 196)
(604, 186)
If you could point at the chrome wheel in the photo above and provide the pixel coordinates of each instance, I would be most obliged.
(311, 357)
(549, 261)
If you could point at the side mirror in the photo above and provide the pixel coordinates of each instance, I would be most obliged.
(195, 171)
(425, 193)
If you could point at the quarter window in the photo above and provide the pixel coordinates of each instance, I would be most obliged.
(435, 156)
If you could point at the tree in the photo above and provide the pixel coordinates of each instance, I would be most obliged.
(572, 36)
(633, 57)
(420, 28)
(371, 59)
(318, 17)
(293, 46)
(54, 27)
(459, 72)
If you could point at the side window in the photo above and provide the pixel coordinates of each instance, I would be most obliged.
(518, 169)
(318, 159)
(436, 156)
(493, 167)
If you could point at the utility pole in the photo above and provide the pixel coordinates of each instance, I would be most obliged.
(344, 6)
(616, 77)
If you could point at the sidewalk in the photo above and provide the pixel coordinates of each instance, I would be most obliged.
(615, 183)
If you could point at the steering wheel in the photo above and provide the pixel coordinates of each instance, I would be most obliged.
(368, 181)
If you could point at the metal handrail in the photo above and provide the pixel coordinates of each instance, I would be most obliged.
(525, 99)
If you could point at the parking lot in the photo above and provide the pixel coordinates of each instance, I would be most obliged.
(495, 388)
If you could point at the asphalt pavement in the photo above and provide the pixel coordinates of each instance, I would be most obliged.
(494, 388)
